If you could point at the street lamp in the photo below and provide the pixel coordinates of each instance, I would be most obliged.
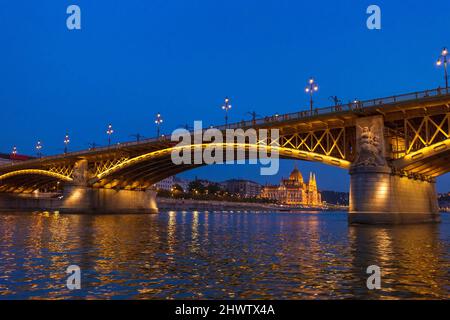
(442, 60)
(109, 132)
(311, 88)
(66, 142)
(158, 122)
(226, 107)
(38, 149)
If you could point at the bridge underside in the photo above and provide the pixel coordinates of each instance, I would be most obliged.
(433, 166)
(143, 173)
(431, 161)
(28, 183)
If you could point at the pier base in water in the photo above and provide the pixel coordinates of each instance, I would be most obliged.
(107, 201)
(379, 197)
(84, 200)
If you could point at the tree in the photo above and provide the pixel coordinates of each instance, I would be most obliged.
(213, 189)
(196, 187)
(177, 188)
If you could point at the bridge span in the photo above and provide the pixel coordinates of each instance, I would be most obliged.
(394, 148)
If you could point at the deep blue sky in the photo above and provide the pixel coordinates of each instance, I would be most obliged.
(134, 58)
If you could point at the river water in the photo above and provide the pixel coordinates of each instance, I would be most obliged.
(198, 255)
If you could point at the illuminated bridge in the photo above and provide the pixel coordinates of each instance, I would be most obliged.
(393, 147)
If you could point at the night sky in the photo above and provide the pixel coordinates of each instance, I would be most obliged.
(132, 59)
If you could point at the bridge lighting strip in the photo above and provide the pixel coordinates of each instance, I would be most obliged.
(36, 171)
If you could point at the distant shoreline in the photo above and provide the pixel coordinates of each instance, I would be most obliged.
(169, 204)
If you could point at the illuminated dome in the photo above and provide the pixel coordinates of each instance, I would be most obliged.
(296, 175)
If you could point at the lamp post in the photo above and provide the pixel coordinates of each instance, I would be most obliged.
(66, 142)
(226, 107)
(311, 88)
(109, 132)
(38, 149)
(442, 60)
(158, 122)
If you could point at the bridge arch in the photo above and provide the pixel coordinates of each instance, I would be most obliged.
(46, 173)
(161, 160)
(28, 180)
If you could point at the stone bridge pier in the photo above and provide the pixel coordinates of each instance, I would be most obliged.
(79, 197)
(377, 194)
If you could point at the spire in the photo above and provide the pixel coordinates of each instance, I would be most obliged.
(310, 178)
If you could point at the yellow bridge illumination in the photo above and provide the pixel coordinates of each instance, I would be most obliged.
(283, 151)
(35, 172)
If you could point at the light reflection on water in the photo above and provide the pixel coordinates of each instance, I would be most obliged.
(197, 255)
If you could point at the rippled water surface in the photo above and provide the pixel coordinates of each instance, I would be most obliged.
(197, 255)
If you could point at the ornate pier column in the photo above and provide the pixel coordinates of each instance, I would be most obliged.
(377, 196)
(79, 197)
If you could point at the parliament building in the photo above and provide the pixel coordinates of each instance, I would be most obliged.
(294, 191)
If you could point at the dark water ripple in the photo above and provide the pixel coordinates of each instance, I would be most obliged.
(196, 255)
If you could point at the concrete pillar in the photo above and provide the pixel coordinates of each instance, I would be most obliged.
(376, 195)
(81, 199)
(379, 197)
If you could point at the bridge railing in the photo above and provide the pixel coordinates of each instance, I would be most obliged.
(351, 106)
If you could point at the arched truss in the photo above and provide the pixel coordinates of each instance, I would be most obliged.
(426, 131)
(331, 142)
(144, 170)
(410, 136)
